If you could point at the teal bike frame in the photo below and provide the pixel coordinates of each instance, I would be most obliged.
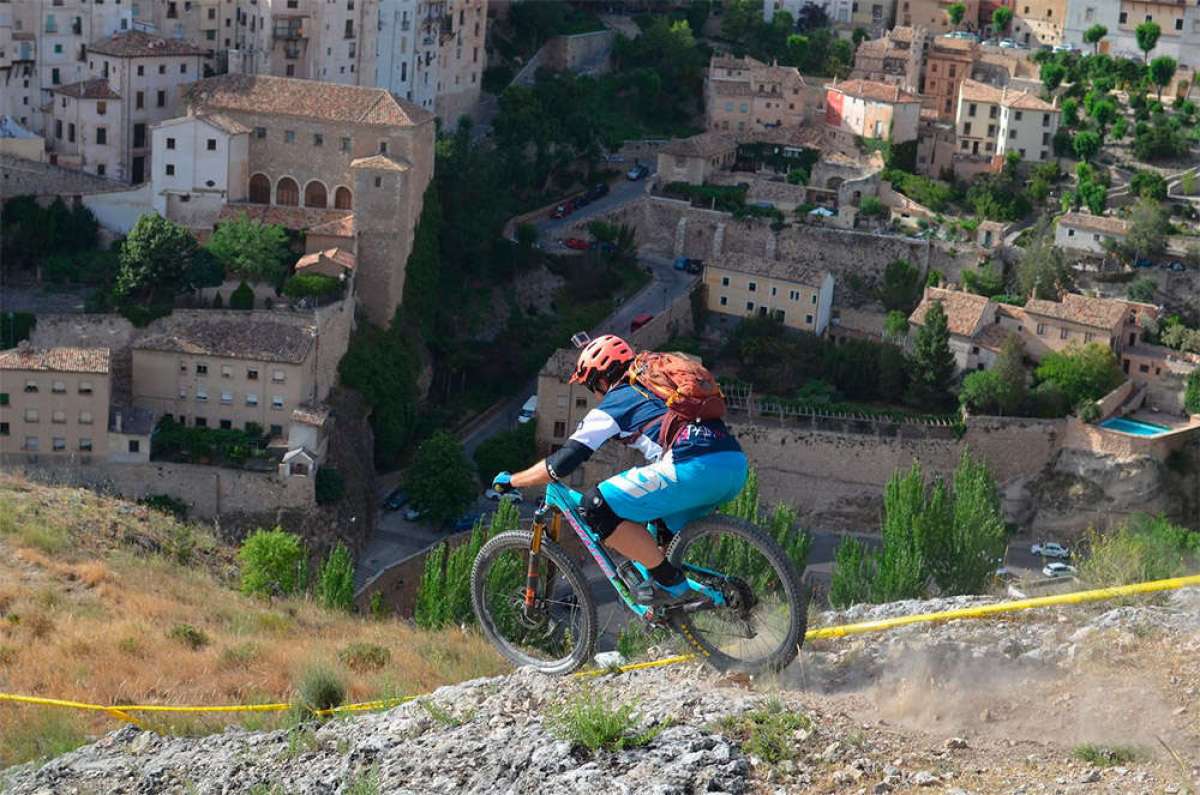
(566, 501)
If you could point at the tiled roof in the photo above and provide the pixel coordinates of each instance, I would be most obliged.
(975, 91)
(992, 336)
(561, 364)
(873, 90)
(788, 75)
(311, 415)
(381, 163)
(775, 269)
(259, 340)
(1095, 223)
(139, 44)
(902, 33)
(964, 311)
(336, 227)
(731, 88)
(1101, 313)
(311, 99)
(299, 218)
(703, 145)
(729, 62)
(809, 136)
(58, 360)
(329, 261)
(96, 88)
(223, 122)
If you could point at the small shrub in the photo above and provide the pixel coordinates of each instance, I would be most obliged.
(1143, 549)
(378, 609)
(238, 657)
(190, 636)
(311, 285)
(218, 302)
(1107, 755)
(364, 782)
(1191, 395)
(335, 586)
(130, 646)
(330, 486)
(272, 563)
(768, 732)
(320, 689)
(242, 298)
(364, 657)
(165, 503)
(1088, 411)
(588, 720)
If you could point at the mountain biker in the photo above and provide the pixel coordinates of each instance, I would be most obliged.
(702, 467)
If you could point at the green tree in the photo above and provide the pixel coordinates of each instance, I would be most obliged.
(1000, 19)
(1086, 144)
(1010, 366)
(1042, 271)
(895, 325)
(155, 261)
(900, 565)
(1052, 74)
(1142, 289)
(1162, 69)
(901, 288)
(440, 479)
(335, 584)
(1147, 35)
(508, 450)
(1093, 35)
(242, 298)
(981, 390)
(955, 13)
(1149, 185)
(1191, 394)
(254, 251)
(330, 486)
(273, 563)
(1082, 372)
(933, 362)
(977, 540)
(853, 573)
(1148, 228)
(1103, 111)
(987, 279)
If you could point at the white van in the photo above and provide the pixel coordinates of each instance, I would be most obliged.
(528, 410)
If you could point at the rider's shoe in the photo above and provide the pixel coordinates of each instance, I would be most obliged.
(652, 593)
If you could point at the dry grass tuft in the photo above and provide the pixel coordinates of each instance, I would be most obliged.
(90, 622)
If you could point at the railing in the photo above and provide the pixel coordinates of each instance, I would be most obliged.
(740, 396)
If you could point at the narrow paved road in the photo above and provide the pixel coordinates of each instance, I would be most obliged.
(620, 192)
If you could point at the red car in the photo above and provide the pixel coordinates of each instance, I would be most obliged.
(579, 244)
(564, 209)
(640, 321)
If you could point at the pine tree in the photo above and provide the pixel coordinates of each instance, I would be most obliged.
(933, 362)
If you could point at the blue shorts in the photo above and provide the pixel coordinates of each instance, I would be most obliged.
(676, 493)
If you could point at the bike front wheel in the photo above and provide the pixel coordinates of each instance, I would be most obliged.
(762, 625)
(556, 634)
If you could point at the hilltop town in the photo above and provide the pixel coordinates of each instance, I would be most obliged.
(309, 272)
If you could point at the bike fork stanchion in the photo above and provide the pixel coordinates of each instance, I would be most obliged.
(535, 548)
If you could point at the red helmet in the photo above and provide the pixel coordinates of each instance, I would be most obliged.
(605, 357)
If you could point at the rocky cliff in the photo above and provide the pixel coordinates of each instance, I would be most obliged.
(1068, 701)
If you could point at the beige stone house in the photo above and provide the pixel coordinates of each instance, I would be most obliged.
(1038, 22)
(991, 122)
(947, 63)
(744, 95)
(749, 286)
(1087, 233)
(932, 14)
(321, 156)
(54, 404)
(205, 374)
(693, 160)
(897, 58)
(872, 110)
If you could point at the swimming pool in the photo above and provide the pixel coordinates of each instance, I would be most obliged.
(1134, 427)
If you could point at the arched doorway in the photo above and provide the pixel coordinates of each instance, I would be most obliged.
(287, 192)
(260, 189)
(314, 195)
(343, 199)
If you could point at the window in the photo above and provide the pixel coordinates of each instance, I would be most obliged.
(161, 99)
(967, 128)
(201, 393)
(201, 422)
(211, 144)
(1124, 17)
(1064, 334)
(277, 401)
(251, 399)
(345, 144)
(992, 112)
(101, 136)
(814, 298)
(58, 387)
(170, 169)
(31, 386)
(59, 444)
(58, 417)
(560, 429)
(318, 139)
(278, 376)
(3, 398)
(183, 393)
(101, 108)
(774, 291)
(971, 109)
(808, 320)
(1018, 115)
(58, 129)
(31, 444)
(724, 281)
(31, 415)
(751, 286)
(749, 306)
(383, 147)
(379, 182)
(101, 169)
(85, 418)
(183, 69)
(201, 369)
(289, 136)
(85, 445)
(140, 100)
(226, 425)
(1041, 328)
(251, 374)
(991, 130)
(794, 295)
(226, 371)
(277, 430)
(260, 132)
(4, 429)
(1070, 233)
(724, 300)
(162, 69)
(1179, 23)
(141, 71)
(581, 403)
(226, 398)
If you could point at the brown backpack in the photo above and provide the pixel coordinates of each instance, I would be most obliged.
(686, 386)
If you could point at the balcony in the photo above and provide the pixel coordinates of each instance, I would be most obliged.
(292, 29)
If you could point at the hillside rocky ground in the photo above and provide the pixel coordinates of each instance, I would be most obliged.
(1008, 706)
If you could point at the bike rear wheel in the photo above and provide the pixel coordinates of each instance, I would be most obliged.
(557, 635)
(763, 625)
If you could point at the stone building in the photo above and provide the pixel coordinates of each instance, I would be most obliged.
(1037, 22)
(21, 97)
(204, 162)
(743, 95)
(872, 110)
(693, 160)
(991, 122)
(1087, 233)
(1178, 21)
(748, 286)
(897, 58)
(873, 16)
(839, 12)
(322, 152)
(947, 63)
(932, 14)
(54, 404)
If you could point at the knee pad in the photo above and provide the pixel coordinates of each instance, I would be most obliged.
(599, 515)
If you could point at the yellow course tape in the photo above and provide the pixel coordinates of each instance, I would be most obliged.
(122, 711)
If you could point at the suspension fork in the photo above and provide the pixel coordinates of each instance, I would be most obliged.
(535, 550)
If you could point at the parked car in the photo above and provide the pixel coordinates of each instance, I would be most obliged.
(1058, 570)
(395, 501)
(1009, 44)
(413, 513)
(597, 191)
(1050, 550)
(681, 263)
(528, 410)
(1142, 262)
(576, 243)
(1065, 48)
(640, 321)
(512, 496)
(466, 521)
(564, 209)
(637, 172)
(695, 265)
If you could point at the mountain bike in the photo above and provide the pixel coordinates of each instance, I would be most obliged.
(536, 606)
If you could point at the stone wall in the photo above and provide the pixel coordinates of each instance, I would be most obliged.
(118, 211)
(675, 320)
(19, 177)
(589, 52)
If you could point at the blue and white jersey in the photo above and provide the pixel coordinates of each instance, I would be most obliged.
(635, 418)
